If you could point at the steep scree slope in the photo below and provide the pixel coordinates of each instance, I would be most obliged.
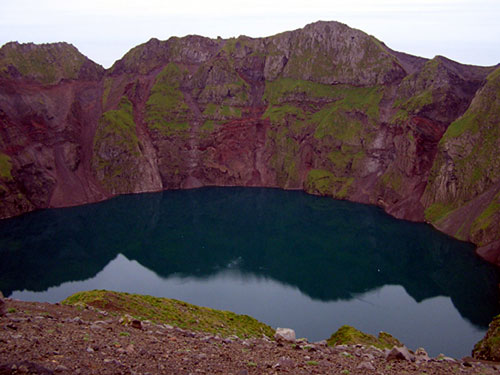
(326, 108)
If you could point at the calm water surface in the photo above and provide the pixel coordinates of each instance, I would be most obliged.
(287, 258)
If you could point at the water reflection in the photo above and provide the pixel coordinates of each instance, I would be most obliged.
(434, 323)
(329, 250)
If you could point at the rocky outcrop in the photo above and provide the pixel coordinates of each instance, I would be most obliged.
(326, 108)
(46, 63)
(488, 348)
(463, 194)
(285, 334)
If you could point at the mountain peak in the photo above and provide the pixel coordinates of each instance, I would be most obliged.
(47, 63)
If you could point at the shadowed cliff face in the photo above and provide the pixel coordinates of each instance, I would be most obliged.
(326, 108)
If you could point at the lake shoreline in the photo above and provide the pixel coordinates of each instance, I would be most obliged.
(56, 338)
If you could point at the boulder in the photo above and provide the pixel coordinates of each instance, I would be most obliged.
(422, 355)
(366, 365)
(285, 334)
(284, 363)
(400, 353)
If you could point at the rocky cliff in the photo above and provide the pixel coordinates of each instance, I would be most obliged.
(326, 108)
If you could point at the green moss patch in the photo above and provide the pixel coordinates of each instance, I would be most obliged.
(320, 181)
(348, 98)
(417, 102)
(166, 110)
(119, 123)
(323, 182)
(173, 312)
(438, 211)
(487, 222)
(279, 90)
(400, 117)
(5, 167)
(222, 112)
(336, 123)
(279, 114)
(468, 122)
(107, 84)
(362, 99)
(208, 126)
(419, 90)
(392, 178)
(228, 111)
(347, 335)
(347, 158)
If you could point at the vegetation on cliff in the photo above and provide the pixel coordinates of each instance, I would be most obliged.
(326, 108)
(118, 153)
(467, 167)
(166, 110)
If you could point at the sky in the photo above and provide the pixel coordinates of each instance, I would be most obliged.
(467, 31)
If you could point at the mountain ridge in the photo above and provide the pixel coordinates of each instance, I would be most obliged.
(326, 108)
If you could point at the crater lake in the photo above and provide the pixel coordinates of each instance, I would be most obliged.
(284, 257)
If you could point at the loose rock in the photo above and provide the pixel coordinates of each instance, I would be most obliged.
(422, 355)
(284, 362)
(285, 334)
(71, 348)
(136, 324)
(400, 353)
(366, 365)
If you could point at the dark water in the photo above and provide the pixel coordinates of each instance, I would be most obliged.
(284, 257)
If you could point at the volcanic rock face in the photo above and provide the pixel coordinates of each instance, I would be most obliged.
(326, 108)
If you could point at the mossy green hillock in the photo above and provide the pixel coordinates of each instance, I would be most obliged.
(170, 311)
(347, 335)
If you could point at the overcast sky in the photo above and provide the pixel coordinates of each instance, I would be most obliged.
(465, 31)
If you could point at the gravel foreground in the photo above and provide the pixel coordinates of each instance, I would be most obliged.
(43, 338)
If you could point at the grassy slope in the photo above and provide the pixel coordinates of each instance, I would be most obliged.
(173, 312)
(347, 335)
